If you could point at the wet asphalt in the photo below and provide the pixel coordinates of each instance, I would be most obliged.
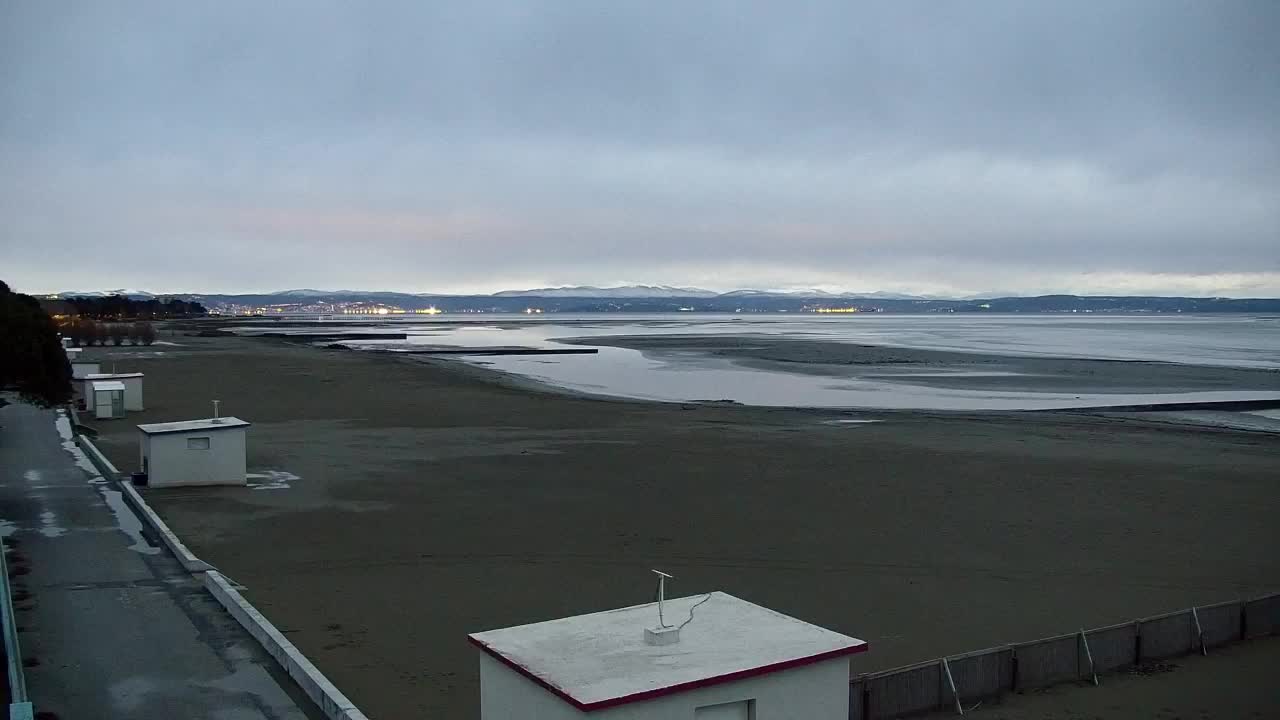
(110, 625)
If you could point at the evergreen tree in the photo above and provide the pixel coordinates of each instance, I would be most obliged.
(32, 360)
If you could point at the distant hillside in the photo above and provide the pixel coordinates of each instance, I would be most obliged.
(651, 299)
(628, 291)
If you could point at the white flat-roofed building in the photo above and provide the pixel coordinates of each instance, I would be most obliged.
(82, 368)
(106, 399)
(132, 387)
(733, 660)
(194, 452)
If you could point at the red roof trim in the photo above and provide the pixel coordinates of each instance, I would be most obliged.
(670, 689)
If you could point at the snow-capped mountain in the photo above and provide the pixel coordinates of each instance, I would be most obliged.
(312, 293)
(135, 294)
(627, 291)
(815, 293)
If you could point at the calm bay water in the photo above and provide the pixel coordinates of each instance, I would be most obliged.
(1225, 341)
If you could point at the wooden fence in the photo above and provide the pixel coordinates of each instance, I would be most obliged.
(959, 681)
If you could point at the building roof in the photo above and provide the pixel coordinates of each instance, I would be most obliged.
(601, 660)
(204, 425)
(105, 376)
(107, 385)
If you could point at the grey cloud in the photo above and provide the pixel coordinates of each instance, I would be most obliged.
(490, 143)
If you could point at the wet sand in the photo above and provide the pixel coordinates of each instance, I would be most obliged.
(436, 499)
(955, 370)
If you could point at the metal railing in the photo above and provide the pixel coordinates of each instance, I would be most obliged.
(19, 704)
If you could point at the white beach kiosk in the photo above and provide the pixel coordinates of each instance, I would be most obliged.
(80, 369)
(194, 452)
(132, 387)
(105, 398)
(708, 657)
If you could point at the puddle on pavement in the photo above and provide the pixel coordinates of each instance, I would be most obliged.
(49, 525)
(128, 522)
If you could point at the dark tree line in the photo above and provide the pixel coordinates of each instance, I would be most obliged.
(120, 307)
(31, 357)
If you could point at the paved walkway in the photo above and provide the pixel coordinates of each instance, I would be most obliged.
(115, 626)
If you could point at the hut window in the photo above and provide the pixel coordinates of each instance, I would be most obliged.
(198, 443)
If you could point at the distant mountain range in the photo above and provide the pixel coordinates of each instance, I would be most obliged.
(662, 298)
(626, 291)
(135, 294)
(577, 291)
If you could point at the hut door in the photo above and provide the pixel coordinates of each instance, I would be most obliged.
(117, 403)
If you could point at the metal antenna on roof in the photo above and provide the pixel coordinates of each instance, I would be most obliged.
(216, 419)
(662, 595)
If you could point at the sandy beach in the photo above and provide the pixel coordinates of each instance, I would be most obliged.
(433, 499)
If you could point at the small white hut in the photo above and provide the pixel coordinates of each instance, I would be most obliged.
(194, 452)
(80, 369)
(709, 657)
(132, 387)
(106, 399)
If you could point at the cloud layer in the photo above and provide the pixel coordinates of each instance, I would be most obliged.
(948, 148)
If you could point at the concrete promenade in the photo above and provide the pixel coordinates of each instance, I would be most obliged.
(110, 624)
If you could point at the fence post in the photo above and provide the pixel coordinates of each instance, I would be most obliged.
(1093, 671)
(1013, 668)
(1199, 632)
(951, 681)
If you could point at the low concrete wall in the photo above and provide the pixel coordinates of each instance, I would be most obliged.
(189, 561)
(96, 457)
(327, 697)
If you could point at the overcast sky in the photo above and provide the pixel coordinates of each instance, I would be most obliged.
(939, 147)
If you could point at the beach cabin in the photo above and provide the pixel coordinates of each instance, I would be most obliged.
(193, 452)
(80, 369)
(132, 387)
(106, 399)
(708, 657)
